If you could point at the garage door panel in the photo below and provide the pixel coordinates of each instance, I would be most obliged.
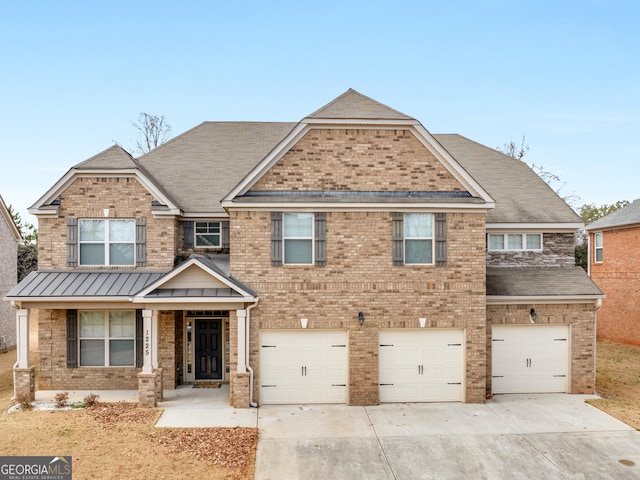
(303, 367)
(530, 359)
(421, 365)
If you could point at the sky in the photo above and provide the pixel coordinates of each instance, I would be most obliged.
(563, 73)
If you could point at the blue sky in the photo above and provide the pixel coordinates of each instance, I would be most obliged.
(564, 73)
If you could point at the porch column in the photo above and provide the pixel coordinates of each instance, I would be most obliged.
(154, 338)
(22, 337)
(24, 376)
(148, 341)
(242, 340)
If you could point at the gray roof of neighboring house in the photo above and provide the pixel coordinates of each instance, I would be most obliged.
(352, 104)
(540, 282)
(521, 195)
(73, 283)
(624, 217)
(199, 167)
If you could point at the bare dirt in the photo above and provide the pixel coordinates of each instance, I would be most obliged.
(119, 440)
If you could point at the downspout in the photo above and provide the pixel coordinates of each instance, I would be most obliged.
(589, 254)
(246, 361)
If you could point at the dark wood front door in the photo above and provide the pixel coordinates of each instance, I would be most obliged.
(208, 349)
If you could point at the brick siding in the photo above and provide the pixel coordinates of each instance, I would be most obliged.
(581, 317)
(359, 276)
(618, 276)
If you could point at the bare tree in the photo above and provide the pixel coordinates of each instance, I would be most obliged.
(153, 131)
(553, 180)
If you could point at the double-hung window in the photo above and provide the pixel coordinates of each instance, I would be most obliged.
(418, 238)
(298, 238)
(599, 247)
(208, 234)
(107, 242)
(515, 241)
(107, 338)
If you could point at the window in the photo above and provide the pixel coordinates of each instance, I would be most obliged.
(599, 250)
(107, 242)
(515, 241)
(107, 338)
(208, 234)
(298, 238)
(418, 238)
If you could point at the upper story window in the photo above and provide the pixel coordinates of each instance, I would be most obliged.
(298, 238)
(515, 242)
(418, 238)
(107, 338)
(107, 242)
(208, 234)
(599, 246)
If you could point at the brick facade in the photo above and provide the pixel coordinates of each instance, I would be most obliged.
(581, 318)
(359, 276)
(88, 198)
(8, 280)
(618, 276)
(358, 159)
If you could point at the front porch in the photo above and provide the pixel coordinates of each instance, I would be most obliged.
(184, 406)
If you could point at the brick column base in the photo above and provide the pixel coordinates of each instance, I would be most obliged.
(159, 385)
(25, 383)
(147, 383)
(240, 397)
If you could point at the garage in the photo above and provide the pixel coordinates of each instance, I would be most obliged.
(307, 366)
(530, 358)
(421, 365)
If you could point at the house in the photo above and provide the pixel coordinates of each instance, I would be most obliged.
(615, 269)
(10, 237)
(351, 257)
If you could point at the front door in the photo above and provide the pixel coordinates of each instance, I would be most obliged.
(208, 349)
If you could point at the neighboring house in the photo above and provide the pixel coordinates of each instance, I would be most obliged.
(351, 257)
(10, 237)
(615, 268)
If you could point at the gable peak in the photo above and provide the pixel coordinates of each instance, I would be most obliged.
(353, 105)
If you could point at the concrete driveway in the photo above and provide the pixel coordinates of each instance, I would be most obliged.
(510, 437)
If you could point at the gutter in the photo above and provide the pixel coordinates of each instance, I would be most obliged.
(246, 361)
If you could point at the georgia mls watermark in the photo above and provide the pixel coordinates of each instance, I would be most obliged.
(35, 468)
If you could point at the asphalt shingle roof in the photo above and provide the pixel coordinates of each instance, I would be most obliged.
(352, 104)
(626, 216)
(521, 195)
(540, 281)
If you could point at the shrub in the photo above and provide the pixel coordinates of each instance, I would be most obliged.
(91, 399)
(24, 401)
(61, 399)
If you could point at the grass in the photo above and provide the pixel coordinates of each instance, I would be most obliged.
(618, 382)
(116, 441)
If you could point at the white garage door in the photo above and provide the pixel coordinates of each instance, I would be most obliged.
(421, 365)
(530, 359)
(303, 367)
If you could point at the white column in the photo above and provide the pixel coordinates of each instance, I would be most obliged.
(147, 341)
(22, 337)
(154, 338)
(242, 340)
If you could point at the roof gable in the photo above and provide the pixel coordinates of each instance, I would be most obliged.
(625, 217)
(197, 277)
(352, 104)
(112, 162)
(13, 228)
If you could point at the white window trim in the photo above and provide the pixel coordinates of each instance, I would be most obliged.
(106, 338)
(596, 248)
(196, 234)
(106, 242)
(506, 242)
(432, 238)
(312, 238)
